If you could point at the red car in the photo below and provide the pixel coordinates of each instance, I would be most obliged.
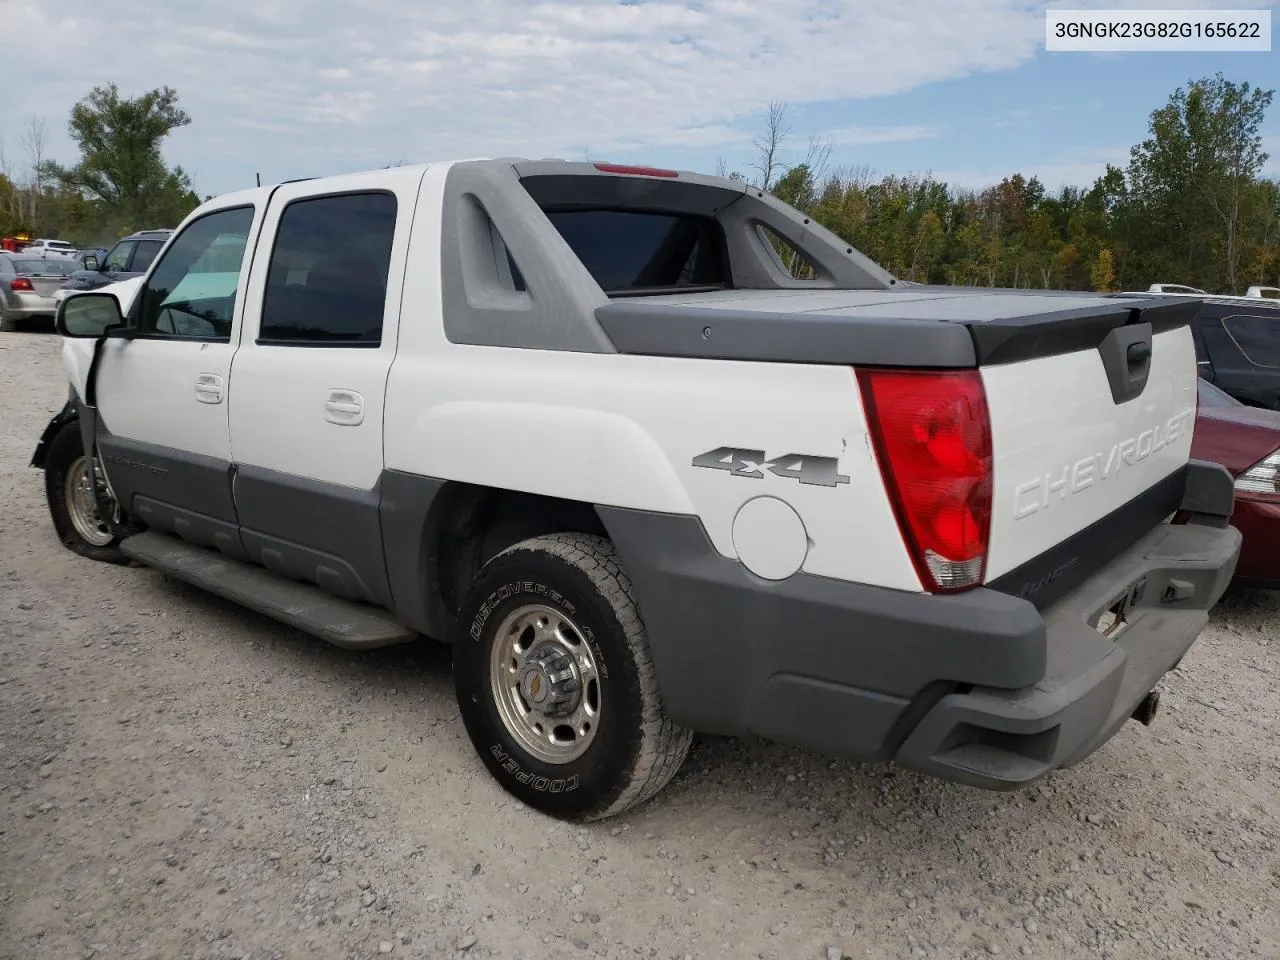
(1246, 440)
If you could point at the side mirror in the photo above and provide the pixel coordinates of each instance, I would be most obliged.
(91, 262)
(88, 315)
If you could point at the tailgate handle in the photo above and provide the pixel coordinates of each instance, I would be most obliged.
(1126, 356)
(1138, 353)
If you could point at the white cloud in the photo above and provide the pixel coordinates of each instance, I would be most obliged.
(868, 136)
(302, 87)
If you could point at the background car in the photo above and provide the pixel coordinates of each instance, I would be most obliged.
(27, 285)
(130, 257)
(53, 246)
(99, 254)
(1237, 343)
(1245, 440)
(1238, 348)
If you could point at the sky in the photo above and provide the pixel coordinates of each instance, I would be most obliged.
(961, 89)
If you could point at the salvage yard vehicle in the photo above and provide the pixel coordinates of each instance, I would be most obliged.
(583, 422)
(1246, 440)
(27, 285)
(130, 257)
(1238, 346)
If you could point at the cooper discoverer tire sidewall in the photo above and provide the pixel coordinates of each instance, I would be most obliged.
(553, 572)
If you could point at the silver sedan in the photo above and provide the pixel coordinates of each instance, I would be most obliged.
(27, 285)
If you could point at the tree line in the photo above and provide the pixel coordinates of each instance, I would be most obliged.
(119, 184)
(1191, 206)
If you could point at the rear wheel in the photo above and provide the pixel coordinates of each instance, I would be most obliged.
(555, 682)
(69, 490)
(7, 323)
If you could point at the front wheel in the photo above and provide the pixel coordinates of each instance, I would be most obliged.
(68, 487)
(556, 684)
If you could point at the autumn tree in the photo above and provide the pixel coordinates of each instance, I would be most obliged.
(1102, 275)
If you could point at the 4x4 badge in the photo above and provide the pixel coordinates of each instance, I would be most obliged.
(737, 462)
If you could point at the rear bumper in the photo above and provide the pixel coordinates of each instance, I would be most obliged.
(979, 687)
(997, 738)
(26, 306)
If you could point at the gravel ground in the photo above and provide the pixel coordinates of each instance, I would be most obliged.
(180, 778)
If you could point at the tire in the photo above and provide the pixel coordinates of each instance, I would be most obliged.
(65, 460)
(632, 749)
(7, 324)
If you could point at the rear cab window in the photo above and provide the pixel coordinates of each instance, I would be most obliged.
(37, 266)
(632, 252)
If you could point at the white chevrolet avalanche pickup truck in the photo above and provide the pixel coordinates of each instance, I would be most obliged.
(594, 427)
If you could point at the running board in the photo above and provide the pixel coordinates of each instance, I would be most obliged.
(352, 626)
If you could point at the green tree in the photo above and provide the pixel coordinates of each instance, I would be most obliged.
(1190, 207)
(121, 165)
(1192, 174)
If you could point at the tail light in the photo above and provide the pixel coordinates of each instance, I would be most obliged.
(931, 431)
(20, 283)
(1261, 481)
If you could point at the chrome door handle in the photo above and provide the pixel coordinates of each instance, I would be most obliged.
(209, 388)
(344, 407)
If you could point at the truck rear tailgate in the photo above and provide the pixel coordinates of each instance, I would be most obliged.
(1068, 455)
(1092, 398)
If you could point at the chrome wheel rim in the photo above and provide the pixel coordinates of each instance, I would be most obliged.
(546, 684)
(82, 509)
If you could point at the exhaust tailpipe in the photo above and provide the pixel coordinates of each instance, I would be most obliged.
(1145, 711)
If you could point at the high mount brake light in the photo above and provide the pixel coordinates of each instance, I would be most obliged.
(635, 171)
(1261, 481)
(931, 430)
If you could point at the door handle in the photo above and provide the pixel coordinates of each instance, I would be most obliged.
(344, 407)
(209, 388)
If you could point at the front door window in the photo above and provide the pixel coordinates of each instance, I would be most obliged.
(191, 293)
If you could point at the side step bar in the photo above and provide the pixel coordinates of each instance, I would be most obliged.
(349, 625)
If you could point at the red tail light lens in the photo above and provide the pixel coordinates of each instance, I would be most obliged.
(932, 435)
(21, 283)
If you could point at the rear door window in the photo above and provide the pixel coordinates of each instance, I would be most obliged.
(327, 279)
(634, 252)
(144, 254)
(1257, 336)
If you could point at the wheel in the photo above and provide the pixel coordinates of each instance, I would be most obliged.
(71, 503)
(7, 323)
(555, 682)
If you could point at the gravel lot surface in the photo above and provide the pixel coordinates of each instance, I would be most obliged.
(180, 778)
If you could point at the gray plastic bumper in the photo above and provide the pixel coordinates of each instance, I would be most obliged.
(1163, 586)
(980, 687)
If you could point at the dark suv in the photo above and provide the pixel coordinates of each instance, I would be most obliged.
(1238, 347)
(130, 257)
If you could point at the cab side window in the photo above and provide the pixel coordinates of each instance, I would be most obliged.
(191, 294)
(142, 257)
(1258, 337)
(118, 259)
(327, 280)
